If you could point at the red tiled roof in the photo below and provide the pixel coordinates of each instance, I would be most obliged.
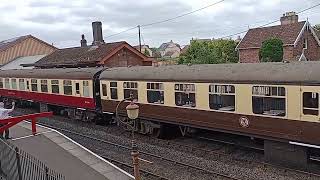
(287, 33)
(4, 45)
(77, 56)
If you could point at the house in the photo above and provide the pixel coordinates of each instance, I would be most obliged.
(144, 48)
(112, 54)
(185, 49)
(299, 39)
(169, 50)
(23, 46)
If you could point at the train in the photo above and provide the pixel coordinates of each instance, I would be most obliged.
(276, 102)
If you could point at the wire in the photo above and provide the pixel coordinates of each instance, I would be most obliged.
(166, 20)
(182, 15)
(121, 32)
(299, 12)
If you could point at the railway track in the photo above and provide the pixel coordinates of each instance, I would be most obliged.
(265, 164)
(149, 173)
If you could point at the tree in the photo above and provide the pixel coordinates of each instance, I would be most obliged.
(317, 27)
(271, 50)
(210, 52)
(146, 52)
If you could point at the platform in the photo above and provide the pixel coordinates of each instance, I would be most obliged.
(64, 155)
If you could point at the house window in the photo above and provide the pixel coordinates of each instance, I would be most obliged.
(34, 85)
(185, 95)
(13, 83)
(7, 83)
(222, 97)
(269, 100)
(21, 84)
(155, 93)
(305, 44)
(1, 83)
(104, 90)
(114, 90)
(67, 87)
(86, 89)
(311, 103)
(44, 85)
(55, 86)
(130, 89)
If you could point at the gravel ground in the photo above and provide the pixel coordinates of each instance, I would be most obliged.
(230, 161)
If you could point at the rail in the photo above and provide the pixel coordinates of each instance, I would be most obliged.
(8, 123)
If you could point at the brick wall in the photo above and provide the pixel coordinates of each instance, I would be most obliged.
(249, 55)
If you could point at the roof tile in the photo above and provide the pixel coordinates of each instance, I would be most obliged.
(287, 33)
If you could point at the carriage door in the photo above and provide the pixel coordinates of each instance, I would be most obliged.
(78, 92)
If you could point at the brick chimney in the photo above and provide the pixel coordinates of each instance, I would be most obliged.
(97, 33)
(83, 41)
(289, 18)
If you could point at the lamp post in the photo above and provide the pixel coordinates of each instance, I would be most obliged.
(133, 113)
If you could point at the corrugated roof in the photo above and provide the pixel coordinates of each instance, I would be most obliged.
(272, 73)
(287, 33)
(16, 63)
(11, 42)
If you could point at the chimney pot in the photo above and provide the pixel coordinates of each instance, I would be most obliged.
(289, 18)
(83, 41)
(97, 33)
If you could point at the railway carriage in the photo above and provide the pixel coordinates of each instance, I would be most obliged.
(278, 102)
(68, 91)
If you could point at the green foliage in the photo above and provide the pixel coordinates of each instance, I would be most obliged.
(317, 27)
(146, 52)
(271, 50)
(213, 52)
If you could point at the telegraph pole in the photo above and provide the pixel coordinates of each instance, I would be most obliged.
(139, 38)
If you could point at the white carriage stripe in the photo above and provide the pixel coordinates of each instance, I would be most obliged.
(303, 144)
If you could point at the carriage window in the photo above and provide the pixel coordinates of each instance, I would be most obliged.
(130, 88)
(155, 93)
(86, 90)
(185, 95)
(7, 83)
(34, 85)
(104, 90)
(310, 103)
(14, 83)
(55, 86)
(67, 87)
(269, 100)
(114, 90)
(21, 84)
(44, 85)
(1, 83)
(222, 97)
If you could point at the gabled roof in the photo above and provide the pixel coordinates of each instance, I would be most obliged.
(6, 44)
(85, 56)
(287, 33)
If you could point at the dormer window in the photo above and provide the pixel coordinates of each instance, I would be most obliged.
(305, 44)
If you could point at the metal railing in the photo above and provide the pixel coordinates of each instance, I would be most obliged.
(16, 164)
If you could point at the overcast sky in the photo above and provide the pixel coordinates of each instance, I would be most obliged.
(62, 22)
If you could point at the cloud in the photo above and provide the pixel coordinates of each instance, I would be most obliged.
(62, 22)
